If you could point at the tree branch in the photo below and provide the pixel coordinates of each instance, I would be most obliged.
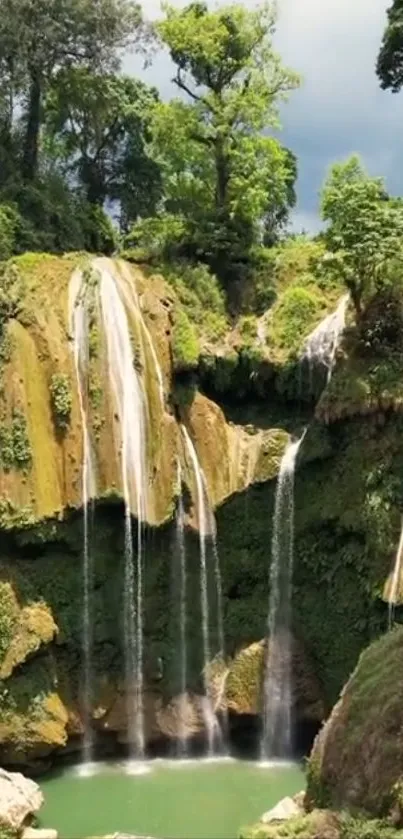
(181, 84)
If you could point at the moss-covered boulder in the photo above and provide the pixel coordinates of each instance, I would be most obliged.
(34, 719)
(357, 758)
(244, 683)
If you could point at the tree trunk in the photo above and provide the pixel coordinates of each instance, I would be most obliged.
(31, 143)
(221, 164)
(356, 298)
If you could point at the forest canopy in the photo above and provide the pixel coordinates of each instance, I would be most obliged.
(92, 159)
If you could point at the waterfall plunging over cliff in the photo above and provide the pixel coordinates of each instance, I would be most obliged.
(78, 328)
(277, 722)
(130, 408)
(321, 345)
(206, 524)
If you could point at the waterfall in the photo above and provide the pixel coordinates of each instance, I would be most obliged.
(130, 404)
(206, 529)
(78, 328)
(180, 538)
(277, 728)
(132, 302)
(321, 345)
(395, 581)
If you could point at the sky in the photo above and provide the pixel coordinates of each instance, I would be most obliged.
(340, 108)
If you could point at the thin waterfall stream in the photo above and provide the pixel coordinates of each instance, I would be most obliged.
(393, 596)
(78, 327)
(321, 345)
(180, 539)
(205, 519)
(277, 708)
(131, 410)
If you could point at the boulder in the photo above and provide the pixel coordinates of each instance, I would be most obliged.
(357, 758)
(39, 833)
(19, 799)
(284, 810)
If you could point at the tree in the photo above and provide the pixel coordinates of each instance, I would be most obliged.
(278, 211)
(365, 230)
(97, 128)
(390, 59)
(219, 171)
(38, 38)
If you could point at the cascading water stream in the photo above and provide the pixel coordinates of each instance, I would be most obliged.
(277, 722)
(130, 407)
(321, 345)
(180, 538)
(205, 516)
(132, 302)
(78, 327)
(393, 596)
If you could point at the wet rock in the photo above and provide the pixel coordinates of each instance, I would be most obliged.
(39, 833)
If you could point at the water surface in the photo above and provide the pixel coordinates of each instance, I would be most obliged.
(166, 799)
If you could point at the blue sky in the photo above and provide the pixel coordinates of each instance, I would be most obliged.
(340, 108)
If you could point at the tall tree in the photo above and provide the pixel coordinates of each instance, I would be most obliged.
(365, 229)
(38, 38)
(390, 59)
(97, 128)
(217, 163)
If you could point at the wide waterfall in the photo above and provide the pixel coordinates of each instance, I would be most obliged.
(206, 524)
(277, 722)
(78, 328)
(321, 345)
(180, 541)
(131, 409)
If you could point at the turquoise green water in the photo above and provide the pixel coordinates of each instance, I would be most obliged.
(174, 800)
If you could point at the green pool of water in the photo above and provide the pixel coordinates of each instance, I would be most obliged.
(170, 800)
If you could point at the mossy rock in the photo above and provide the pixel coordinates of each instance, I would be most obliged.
(244, 683)
(357, 758)
(30, 628)
(33, 717)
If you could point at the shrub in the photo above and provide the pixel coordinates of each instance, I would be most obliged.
(61, 400)
(157, 237)
(9, 222)
(15, 448)
(185, 346)
(201, 296)
(293, 318)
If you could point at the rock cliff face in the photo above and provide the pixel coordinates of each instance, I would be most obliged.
(240, 413)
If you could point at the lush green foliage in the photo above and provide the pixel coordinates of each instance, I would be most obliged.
(37, 80)
(95, 127)
(61, 399)
(15, 448)
(365, 230)
(390, 59)
(219, 173)
(185, 346)
(201, 296)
